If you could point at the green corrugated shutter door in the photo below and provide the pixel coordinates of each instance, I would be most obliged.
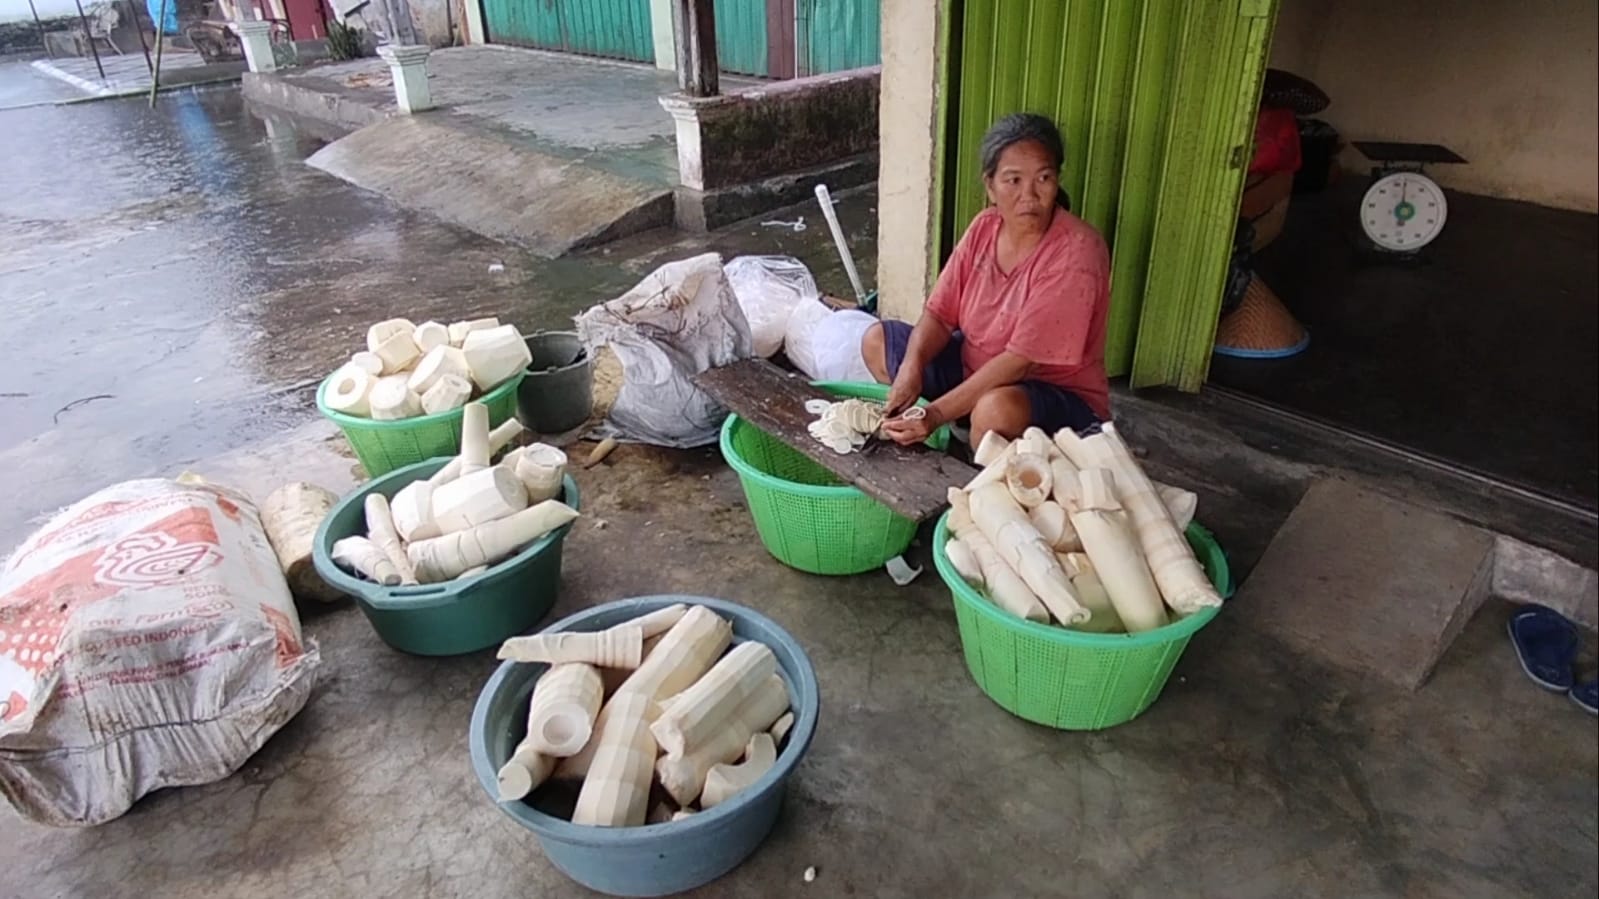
(619, 29)
(1155, 99)
(741, 36)
(836, 35)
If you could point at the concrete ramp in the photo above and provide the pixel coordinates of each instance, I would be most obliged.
(495, 184)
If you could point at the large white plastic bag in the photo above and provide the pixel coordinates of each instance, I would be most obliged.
(836, 345)
(678, 322)
(768, 288)
(799, 338)
(147, 640)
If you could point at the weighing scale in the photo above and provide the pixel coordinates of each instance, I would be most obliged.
(1403, 210)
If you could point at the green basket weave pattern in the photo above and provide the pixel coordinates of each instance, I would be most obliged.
(383, 446)
(1068, 679)
(805, 516)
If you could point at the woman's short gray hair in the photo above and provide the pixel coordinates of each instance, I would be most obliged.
(1016, 128)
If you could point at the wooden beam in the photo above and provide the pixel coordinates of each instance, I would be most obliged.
(913, 481)
(698, 70)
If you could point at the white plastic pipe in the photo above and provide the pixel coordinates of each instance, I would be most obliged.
(826, 200)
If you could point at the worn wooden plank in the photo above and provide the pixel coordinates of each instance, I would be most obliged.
(697, 65)
(913, 481)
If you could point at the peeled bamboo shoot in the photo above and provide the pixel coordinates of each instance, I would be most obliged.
(616, 790)
(350, 391)
(781, 726)
(1055, 526)
(480, 497)
(391, 400)
(459, 330)
(398, 352)
(541, 468)
(369, 362)
(1182, 504)
(1092, 593)
(429, 335)
(619, 647)
(704, 708)
(1005, 588)
(526, 769)
(383, 330)
(290, 515)
(1005, 525)
(684, 776)
(412, 511)
(658, 622)
(1114, 552)
(495, 354)
(442, 558)
(724, 780)
(561, 713)
(475, 451)
(502, 434)
(1028, 479)
(448, 392)
(362, 556)
(438, 362)
(989, 449)
(966, 565)
(380, 530)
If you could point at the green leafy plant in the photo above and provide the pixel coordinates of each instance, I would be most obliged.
(344, 42)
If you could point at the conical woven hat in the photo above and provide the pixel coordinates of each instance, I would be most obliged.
(1261, 327)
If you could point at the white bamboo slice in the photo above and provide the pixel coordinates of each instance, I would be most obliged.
(429, 335)
(459, 330)
(781, 726)
(1114, 551)
(521, 775)
(616, 789)
(960, 555)
(502, 434)
(994, 472)
(448, 392)
(475, 450)
(1055, 526)
(369, 362)
(1064, 476)
(383, 330)
(1091, 591)
(1028, 478)
(1037, 442)
(442, 558)
(412, 511)
(290, 515)
(477, 498)
(362, 556)
(398, 352)
(703, 709)
(1182, 582)
(1005, 588)
(380, 530)
(350, 391)
(495, 354)
(541, 469)
(989, 449)
(391, 400)
(611, 648)
(1005, 525)
(438, 362)
(561, 713)
(723, 781)
(684, 652)
(684, 776)
(658, 622)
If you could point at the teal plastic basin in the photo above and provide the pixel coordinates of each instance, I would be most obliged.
(656, 859)
(464, 615)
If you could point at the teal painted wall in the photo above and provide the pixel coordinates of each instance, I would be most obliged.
(619, 29)
(839, 34)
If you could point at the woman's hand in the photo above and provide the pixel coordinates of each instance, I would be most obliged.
(905, 391)
(909, 431)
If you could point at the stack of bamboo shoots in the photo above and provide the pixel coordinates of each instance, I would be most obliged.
(469, 515)
(1071, 530)
(408, 369)
(655, 718)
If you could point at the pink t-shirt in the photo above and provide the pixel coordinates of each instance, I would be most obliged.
(1050, 310)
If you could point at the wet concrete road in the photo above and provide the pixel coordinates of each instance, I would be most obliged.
(176, 281)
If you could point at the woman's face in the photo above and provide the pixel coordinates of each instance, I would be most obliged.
(1024, 184)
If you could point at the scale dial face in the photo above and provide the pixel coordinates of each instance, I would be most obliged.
(1403, 212)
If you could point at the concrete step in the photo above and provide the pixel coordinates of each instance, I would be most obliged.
(476, 177)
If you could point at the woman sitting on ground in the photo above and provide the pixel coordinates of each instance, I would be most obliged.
(1013, 334)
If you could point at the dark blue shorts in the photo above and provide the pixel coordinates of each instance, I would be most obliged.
(1054, 407)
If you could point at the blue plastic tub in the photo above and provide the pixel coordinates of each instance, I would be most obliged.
(656, 859)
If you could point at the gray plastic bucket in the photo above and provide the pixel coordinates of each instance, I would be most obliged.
(558, 392)
(656, 859)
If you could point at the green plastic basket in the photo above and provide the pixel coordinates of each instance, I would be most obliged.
(806, 517)
(464, 615)
(383, 446)
(1069, 679)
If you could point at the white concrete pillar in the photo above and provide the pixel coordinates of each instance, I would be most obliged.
(256, 36)
(408, 64)
(662, 36)
(690, 159)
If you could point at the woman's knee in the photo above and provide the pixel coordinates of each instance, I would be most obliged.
(874, 352)
(1003, 409)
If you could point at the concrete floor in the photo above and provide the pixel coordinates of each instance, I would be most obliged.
(203, 275)
(1481, 353)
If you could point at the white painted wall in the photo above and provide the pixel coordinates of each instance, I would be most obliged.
(17, 10)
(907, 119)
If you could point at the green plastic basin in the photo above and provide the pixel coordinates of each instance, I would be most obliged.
(464, 615)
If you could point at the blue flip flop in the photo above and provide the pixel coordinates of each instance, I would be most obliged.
(1586, 696)
(1546, 645)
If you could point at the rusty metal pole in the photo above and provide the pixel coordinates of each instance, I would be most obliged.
(83, 20)
(143, 44)
(160, 43)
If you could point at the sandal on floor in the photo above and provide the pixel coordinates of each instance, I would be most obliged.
(1586, 696)
(1546, 645)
